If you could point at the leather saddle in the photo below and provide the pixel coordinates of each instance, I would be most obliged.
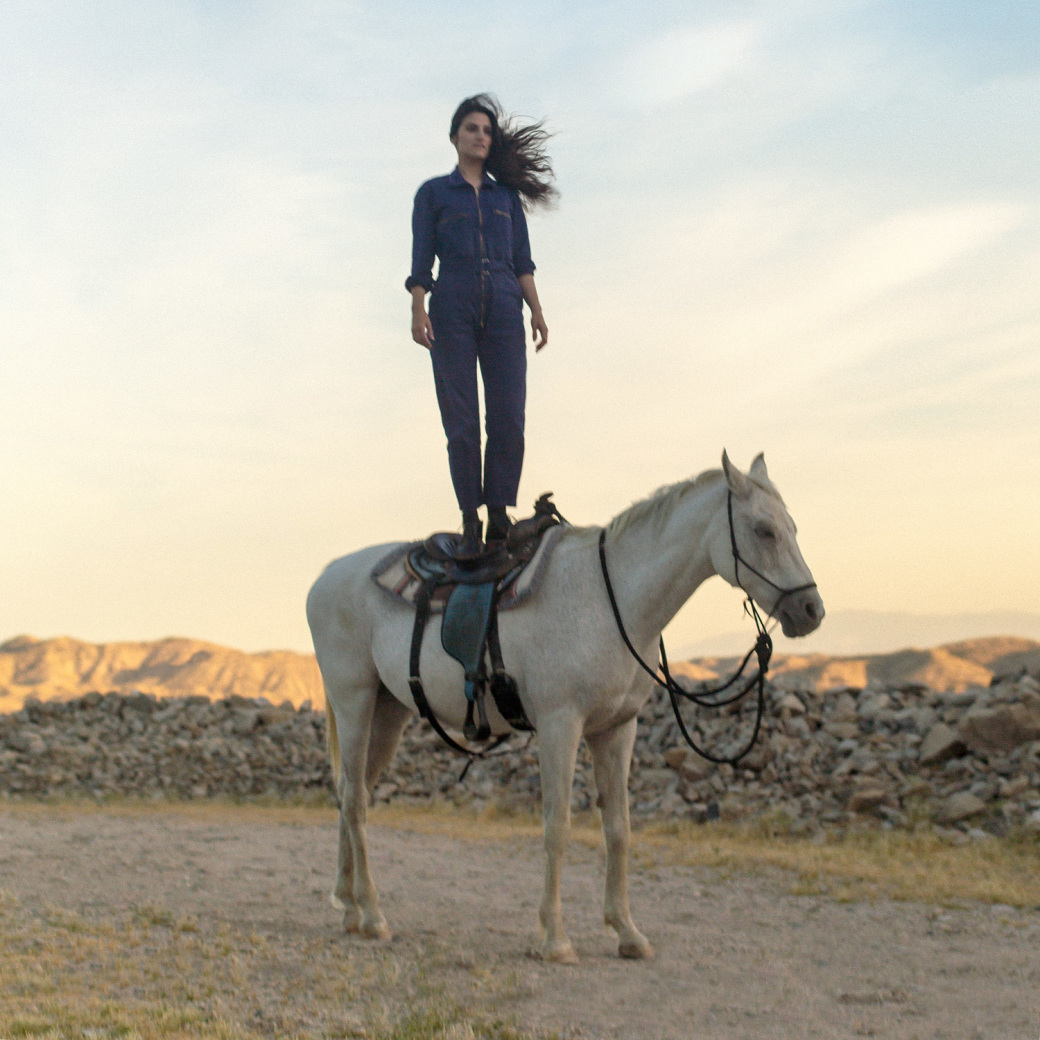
(469, 627)
(438, 556)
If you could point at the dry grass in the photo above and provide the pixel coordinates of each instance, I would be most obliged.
(154, 976)
(864, 864)
(151, 973)
(304, 813)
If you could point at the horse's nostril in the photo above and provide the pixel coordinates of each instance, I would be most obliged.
(810, 609)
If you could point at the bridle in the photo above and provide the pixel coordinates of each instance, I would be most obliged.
(709, 697)
(738, 560)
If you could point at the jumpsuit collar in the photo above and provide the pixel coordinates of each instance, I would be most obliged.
(456, 180)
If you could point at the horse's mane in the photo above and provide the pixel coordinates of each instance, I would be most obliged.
(660, 503)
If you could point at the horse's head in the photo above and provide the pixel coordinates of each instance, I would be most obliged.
(754, 547)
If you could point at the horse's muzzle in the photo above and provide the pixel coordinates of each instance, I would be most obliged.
(800, 613)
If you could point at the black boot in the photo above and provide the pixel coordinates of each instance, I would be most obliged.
(470, 546)
(498, 525)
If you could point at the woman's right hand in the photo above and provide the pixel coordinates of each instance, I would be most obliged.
(422, 328)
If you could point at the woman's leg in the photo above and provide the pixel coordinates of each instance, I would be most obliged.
(454, 357)
(503, 367)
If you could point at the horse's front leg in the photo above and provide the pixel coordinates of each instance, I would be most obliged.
(557, 750)
(611, 757)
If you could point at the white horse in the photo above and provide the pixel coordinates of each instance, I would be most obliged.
(575, 676)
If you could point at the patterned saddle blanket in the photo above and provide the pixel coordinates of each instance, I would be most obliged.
(404, 570)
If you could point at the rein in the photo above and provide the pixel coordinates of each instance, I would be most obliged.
(709, 698)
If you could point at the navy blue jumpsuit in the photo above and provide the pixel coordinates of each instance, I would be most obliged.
(476, 310)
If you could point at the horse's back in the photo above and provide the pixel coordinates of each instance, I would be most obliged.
(339, 594)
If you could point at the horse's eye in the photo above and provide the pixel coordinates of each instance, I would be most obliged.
(765, 531)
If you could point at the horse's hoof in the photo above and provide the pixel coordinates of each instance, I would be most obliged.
(351, 920)
(559, 952)
(377, 929)
(336, 902)
(635, 948)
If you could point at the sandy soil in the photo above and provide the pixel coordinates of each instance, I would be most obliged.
(737, 956)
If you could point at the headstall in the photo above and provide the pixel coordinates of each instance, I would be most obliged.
(709, 697)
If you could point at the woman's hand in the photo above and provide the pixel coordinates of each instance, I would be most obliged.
(539, 330)
(422, 329)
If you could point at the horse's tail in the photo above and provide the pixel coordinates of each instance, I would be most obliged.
(332, 744)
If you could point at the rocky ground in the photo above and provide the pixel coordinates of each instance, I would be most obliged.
(113, 920)
(898, 754)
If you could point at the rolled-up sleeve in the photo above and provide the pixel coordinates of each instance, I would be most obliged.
(423, 243)
(522, 262)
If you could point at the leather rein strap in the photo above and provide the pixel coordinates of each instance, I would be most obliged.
(709, 697)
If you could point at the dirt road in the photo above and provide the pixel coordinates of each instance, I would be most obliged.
(737, 957)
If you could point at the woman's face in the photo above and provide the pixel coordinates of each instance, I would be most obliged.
(473, 139)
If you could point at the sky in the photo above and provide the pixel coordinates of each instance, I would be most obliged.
(809, 229)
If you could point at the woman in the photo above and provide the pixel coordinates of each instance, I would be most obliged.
(473, 221)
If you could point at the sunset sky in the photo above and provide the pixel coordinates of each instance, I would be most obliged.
(809, 228)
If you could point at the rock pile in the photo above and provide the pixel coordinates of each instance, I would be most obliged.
(185, 747)
(899, 754)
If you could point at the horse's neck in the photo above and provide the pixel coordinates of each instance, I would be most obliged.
(657, 562)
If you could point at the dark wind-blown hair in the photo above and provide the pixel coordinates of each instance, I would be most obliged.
(517, 157)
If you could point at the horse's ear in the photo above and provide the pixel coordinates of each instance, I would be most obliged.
(758, 467)
(738, 483)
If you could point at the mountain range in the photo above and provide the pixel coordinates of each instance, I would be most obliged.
(953, 667)
(854, 633)
(64, 668)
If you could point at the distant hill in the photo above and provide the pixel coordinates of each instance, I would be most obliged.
(63, 668)
(854, 633)
(953, 667)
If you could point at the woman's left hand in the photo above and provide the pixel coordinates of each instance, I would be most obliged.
(539, 330)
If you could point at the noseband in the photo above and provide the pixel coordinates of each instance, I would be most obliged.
(709, 697)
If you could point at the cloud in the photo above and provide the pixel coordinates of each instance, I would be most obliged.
(784, 228)
(916, 244)
(687, 61)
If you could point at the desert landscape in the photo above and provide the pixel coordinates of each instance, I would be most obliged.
(263, 263)
(212, 920)
(63, 668)
(871, 869)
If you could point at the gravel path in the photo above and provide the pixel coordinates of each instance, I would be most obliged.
(738, 956)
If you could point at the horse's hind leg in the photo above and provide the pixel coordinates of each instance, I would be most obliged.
(342, 894)
(388, 718)
(611, 755)
(388, 721)
(355, 889)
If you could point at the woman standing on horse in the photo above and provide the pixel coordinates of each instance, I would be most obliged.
(473, 221)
